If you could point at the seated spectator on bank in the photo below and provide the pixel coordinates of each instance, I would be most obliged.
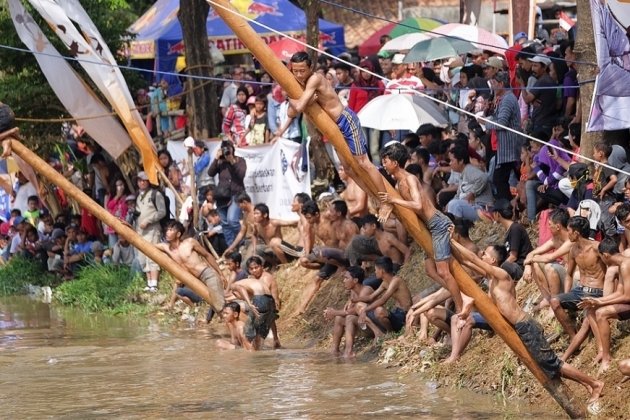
(54, 250)
(32, 246)
(346, 319)
(17, 235)
(78, 254)
(98, 254)
(214, 232)
(33, 213)
(374, 315)
(517, 242)
(474, 195)
(5, 244)
(209, 203)
(604, 181)
(45, 226)
(123, 253)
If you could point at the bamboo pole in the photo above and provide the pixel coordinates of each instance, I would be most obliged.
(45, 170)
(418, 230)
(193, 189)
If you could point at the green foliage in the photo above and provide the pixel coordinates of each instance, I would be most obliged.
(19, 272)
(101, 288)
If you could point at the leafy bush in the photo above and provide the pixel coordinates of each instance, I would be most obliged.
(99, 288)
(19, 272)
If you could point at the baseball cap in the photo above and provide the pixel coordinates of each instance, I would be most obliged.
(519, 36)
(475, 53)
(398, 58)
(17, 220)
(502, 77)
(542, 59)
(57, 233)
(385, 54)
(143, 175)
(251, 100)
(495, 62)
(130, 198)
(97, 246)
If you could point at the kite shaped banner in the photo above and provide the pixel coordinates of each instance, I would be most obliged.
(94, 56)
(72, 91)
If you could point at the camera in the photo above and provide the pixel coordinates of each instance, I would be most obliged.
(226, 150)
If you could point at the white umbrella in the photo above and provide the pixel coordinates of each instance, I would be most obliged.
(400, 112)
(405, 42)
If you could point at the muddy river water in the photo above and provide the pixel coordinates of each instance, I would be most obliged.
(60, 363)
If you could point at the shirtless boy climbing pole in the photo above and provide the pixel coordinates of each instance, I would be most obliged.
(317, 88)
(394, 158)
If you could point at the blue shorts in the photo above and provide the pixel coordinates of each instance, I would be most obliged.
(187, 292)
(480, 322)
(350, 127)
(570, 300)
(438, 226)
(397, 318)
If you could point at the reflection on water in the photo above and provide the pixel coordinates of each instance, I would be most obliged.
(65, 363)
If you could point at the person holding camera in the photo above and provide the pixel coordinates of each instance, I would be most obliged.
(231, 170)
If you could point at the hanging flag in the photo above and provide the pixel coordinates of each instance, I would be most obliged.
(565, 21)
(74, 94)
(610, 106)
(94, 56)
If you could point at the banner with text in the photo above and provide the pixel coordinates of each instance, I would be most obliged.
(275, 173)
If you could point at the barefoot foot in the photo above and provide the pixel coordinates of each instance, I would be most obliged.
(596, 392)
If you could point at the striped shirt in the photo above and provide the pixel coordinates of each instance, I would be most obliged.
(507, 114)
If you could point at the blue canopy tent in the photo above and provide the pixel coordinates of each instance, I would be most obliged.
(159, 34)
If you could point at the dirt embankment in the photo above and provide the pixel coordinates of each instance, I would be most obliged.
(487, 366)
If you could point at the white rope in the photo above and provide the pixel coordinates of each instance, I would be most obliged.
(410, 90)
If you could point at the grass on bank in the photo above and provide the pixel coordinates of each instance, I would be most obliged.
(99, 288)
(19, 272)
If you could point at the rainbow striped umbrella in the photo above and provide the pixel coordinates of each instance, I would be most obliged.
(406, 26)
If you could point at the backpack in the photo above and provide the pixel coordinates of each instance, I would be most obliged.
(167, 204)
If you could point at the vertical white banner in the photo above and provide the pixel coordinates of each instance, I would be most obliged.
(275, 173)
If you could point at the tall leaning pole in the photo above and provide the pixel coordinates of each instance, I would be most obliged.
(11, 144)
(409, 219)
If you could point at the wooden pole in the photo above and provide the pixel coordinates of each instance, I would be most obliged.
(193, 190)
(409, 219)
(169, 184)
(45, 170)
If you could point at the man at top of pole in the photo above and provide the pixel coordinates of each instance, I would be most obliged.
(317, 88)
